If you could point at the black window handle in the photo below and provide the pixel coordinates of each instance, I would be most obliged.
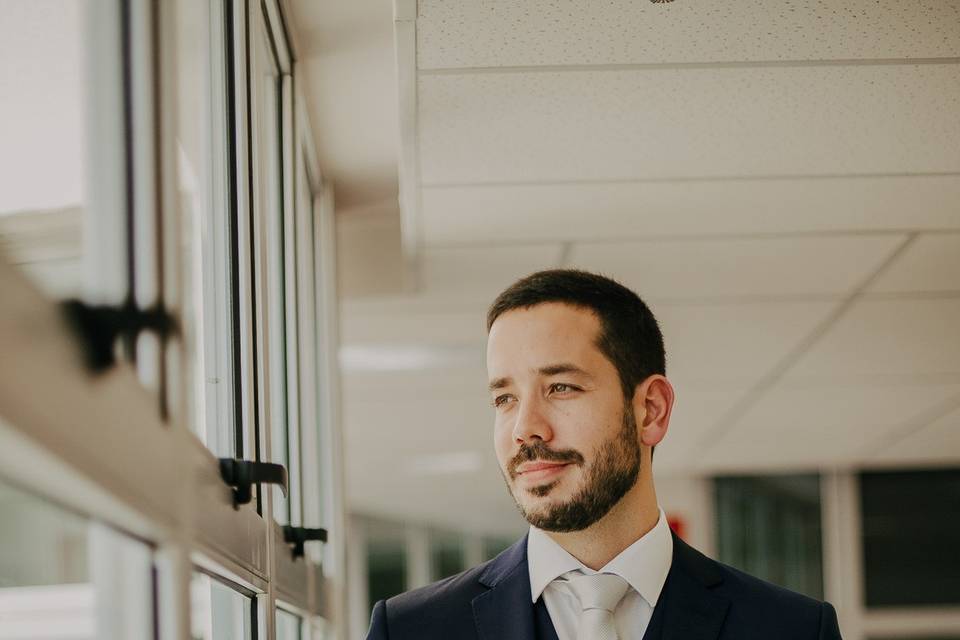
(241, 475)
(296, 536)
(100, 326)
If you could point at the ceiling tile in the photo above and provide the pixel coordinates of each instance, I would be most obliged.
(410, 328)
(938, 442)
(611, 125)
(931, 263)
(747, 267)
(719, 345)
(482, 271)
(552, 32)
(819, 426)
(887, 337)
(693, 414)
(628, 210)
(425, 421)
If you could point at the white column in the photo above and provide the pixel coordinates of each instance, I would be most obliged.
(120, 569)
(472, 550)
(842, 549)
(357, 581)
(418, 557)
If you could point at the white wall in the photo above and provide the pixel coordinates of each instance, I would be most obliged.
(691, 498)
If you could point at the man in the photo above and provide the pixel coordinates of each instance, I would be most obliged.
(577, 380)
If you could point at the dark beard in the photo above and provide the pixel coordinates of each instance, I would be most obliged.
(613, 473)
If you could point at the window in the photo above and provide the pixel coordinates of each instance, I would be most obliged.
(313, 417)
(289, 625)
(191, 198)
(910, 534)
(62, 575)
(220, 611)
(203, 162)
(386, 569)
(276, 297)
(446, 555)
(492, 547)
(44, 155)
(769, 526)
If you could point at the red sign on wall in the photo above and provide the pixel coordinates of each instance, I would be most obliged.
(679, 525)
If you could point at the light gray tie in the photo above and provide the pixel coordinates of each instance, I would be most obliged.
(599, 594)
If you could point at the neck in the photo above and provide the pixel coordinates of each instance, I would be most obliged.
(628, 521)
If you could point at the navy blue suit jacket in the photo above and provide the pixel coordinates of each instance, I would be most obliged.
(701, 600)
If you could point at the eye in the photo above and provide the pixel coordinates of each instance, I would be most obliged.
(562, 387)
(501, 400)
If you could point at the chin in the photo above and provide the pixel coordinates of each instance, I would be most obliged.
(551, 496)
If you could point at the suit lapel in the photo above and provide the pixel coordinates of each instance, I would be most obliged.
(688, 608)
(505, 612)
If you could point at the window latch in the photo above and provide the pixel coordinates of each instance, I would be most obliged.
(241, 475)
(100, 326)
(297, 536)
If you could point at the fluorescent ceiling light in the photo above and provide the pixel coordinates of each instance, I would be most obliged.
(437, 464)
(354, 358)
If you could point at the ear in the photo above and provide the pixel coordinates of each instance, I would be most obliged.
(652, 404)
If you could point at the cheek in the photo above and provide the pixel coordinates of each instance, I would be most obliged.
(582, 426)
(502, 441)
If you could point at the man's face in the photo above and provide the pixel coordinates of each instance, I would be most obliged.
(565, 437)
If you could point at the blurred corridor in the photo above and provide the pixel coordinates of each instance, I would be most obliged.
(319, 200)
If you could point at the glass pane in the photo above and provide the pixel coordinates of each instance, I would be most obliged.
(62, 576)
(316, 475)
(43, 149)
(492, 547)
(386, 569)
(202, 160)
(910, 534)
(288, 625)
(769, 526)
(446, 555)
(219, 612)
(269, 219)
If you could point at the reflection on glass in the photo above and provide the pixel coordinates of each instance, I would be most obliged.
(910, 534)
(288, 625)
(219, 612)
(202, 159)
(42, 154)
(315, 473)
(62, 576)
(769, 526)
(268, 211)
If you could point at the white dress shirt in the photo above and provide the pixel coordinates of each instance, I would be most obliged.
(644, 565)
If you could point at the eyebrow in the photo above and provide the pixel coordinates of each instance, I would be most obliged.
(549, 370)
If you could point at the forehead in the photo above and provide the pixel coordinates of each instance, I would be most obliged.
(545, 333)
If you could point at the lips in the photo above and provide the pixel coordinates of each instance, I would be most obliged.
(539, 473)
(532, 467)
(536, 461)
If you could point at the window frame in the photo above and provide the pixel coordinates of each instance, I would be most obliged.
(844, 571)
(156, 480)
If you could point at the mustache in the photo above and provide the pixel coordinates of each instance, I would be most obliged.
(540, 451)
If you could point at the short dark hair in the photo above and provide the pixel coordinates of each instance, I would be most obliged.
(629, 334)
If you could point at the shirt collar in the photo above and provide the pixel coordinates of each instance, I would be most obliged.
(644, 564)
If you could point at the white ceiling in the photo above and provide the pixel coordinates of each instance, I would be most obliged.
(780, 181)
(684, 123)
(345, 51)
(456, 35)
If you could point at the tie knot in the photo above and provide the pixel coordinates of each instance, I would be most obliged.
(599, 591)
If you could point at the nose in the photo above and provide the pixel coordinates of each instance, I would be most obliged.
(531, 423)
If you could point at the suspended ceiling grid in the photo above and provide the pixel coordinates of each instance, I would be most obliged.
(782, 183)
